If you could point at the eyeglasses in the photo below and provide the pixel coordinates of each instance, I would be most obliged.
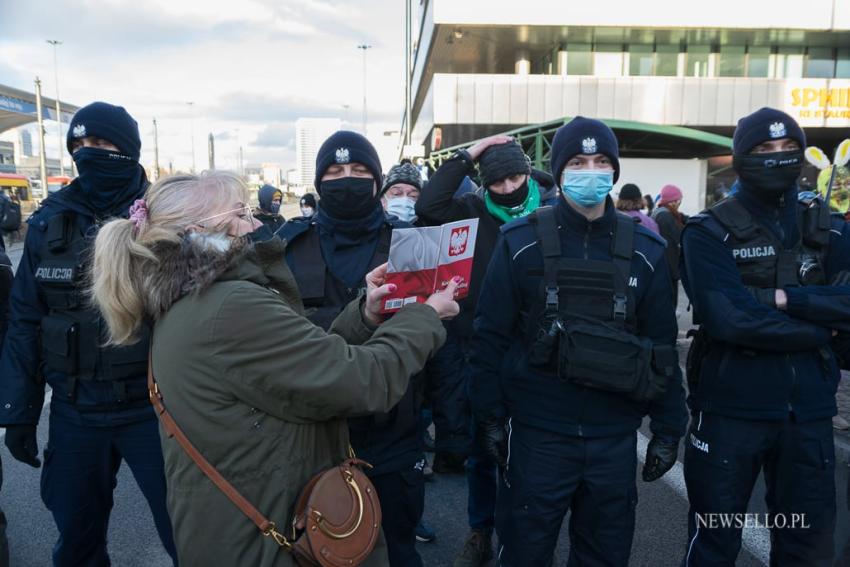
(244, 214)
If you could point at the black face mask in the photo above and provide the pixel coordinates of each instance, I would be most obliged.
(513, 199)
(108, 179)
(769, 174)
(348, 197)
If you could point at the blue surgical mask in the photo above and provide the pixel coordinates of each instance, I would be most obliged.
(402, 207)
(275, 208)
(587, 187)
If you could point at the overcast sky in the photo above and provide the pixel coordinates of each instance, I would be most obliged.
(252, 67)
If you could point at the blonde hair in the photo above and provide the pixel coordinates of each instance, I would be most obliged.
(125, 256)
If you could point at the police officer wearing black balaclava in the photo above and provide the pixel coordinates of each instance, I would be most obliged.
(99, 412)
(767, 278)
(329, 254)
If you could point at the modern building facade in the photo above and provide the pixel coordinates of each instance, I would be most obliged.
(310, 133)
(671, 79)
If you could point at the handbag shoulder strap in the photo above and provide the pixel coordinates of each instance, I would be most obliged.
(266, 526)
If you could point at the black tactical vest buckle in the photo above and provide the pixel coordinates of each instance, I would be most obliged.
(551, 298)
(620, 302)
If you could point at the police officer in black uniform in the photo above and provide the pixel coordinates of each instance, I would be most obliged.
(99, 412)
(766, 277)
(574, 344)
(329, 254)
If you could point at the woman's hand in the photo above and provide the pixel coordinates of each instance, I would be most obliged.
(443, 302)
(376, 291)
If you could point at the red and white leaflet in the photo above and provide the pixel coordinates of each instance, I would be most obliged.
(423, 260)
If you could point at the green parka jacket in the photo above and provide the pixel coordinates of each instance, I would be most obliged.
(264, 395)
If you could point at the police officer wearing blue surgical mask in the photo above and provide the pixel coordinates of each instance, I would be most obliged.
(577, 304)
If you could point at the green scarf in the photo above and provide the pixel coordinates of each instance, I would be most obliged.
(507, 214)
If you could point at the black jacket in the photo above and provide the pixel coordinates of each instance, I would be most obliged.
(437, 205)
(6, 277)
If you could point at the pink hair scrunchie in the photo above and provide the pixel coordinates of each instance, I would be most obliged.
(139, 213)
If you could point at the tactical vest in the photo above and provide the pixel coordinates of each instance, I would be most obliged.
(761, 257)
(589, 311)
(323, 295)
(72, 331)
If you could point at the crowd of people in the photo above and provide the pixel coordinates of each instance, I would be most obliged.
(261, 341)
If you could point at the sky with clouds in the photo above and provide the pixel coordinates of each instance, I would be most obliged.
(251, 67)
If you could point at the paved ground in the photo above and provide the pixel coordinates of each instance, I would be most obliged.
(660, 537)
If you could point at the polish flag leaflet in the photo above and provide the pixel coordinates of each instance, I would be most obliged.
(424, 260)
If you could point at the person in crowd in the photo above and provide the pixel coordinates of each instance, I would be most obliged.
(307, 205)
(264, 392)
(670, 224)
(268, 211)
(329, 256)
(768, 284)
(5, 202)
(401, 190)
(650, 204)
(577, 303)
(511, 190)
(6, 277)
(630, 202)
(100, 414)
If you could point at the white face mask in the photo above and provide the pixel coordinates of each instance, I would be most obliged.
(307, 211)
(402, 207)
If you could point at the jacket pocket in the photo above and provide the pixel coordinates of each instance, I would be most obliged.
(60, 344)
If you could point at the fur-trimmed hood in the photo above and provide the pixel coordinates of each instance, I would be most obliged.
(199, 261)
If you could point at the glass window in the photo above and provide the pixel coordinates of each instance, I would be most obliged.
(789, 63)
(731, 61)
(820, 63)
(640, 60)
(608, 61)
(758, 62)
(842, 64)
(667, 60)
(696, 61)
(579, 59)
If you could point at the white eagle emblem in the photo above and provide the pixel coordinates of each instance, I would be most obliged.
(588, 145)
(342, 155)
(79, 131)
(777, 130)
(457, 242)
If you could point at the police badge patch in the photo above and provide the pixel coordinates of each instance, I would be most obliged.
(79, 131)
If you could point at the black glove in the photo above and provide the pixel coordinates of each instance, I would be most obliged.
(22, 443)
(660, 457)
(490, 434)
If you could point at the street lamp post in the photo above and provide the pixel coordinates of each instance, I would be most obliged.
(364, 47)
(408, 34)
(56, 43)
(155, 151)
(42, 160)
(192, 130)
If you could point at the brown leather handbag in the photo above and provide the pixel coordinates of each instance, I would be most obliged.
(337, 516)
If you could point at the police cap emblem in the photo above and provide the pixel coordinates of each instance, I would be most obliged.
(588, 145)
(778, 130)
(79, 131)
(342, 155)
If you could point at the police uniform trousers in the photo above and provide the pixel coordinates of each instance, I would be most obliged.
(723, 458)
(80, 468)
(402, 496)
(548, 474)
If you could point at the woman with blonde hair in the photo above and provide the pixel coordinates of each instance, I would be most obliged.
(260, 391)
